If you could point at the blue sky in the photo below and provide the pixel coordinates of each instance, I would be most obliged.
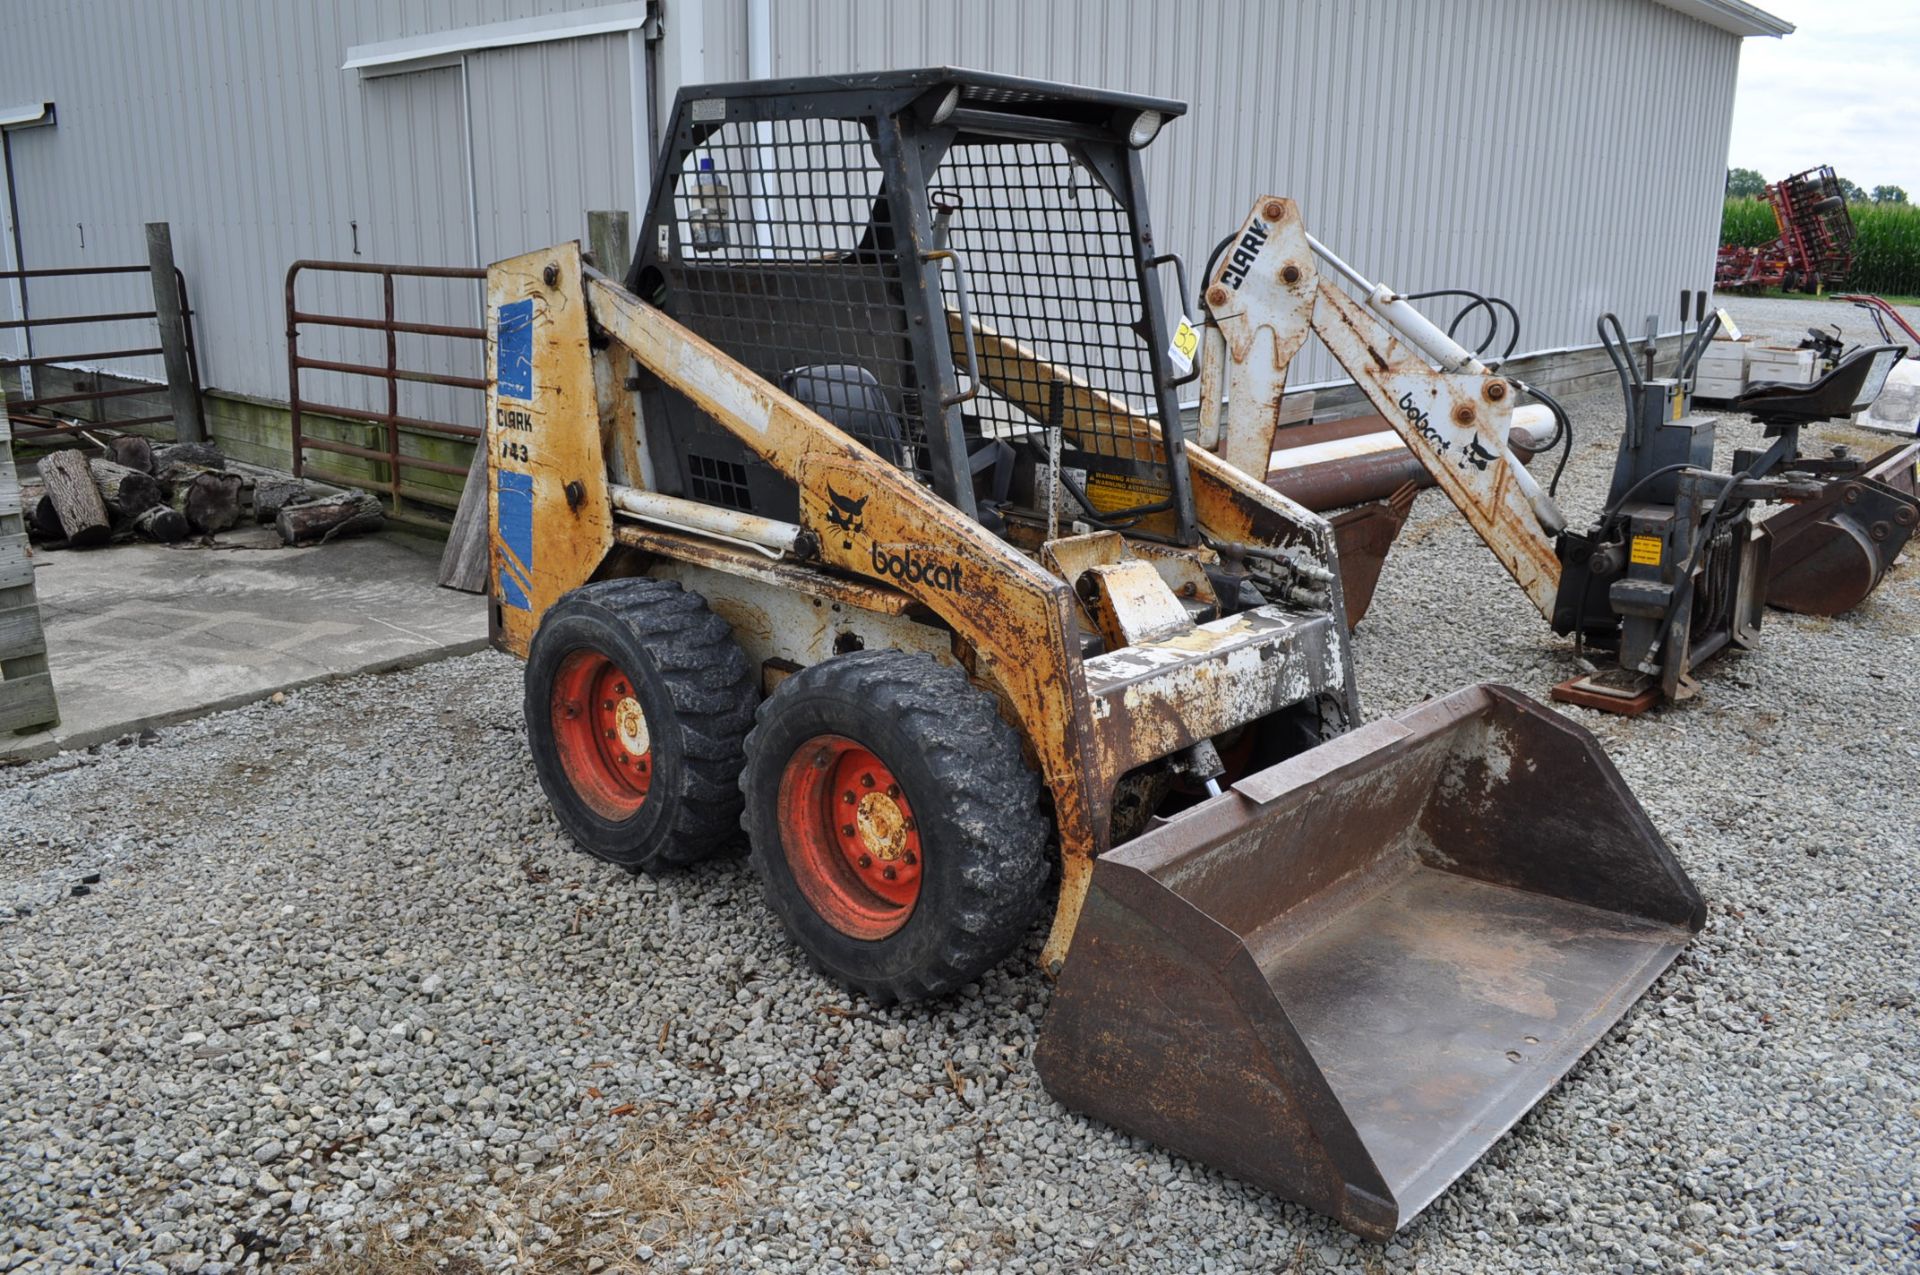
(1843, 89)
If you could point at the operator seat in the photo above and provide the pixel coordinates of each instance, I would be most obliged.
(1850, 387)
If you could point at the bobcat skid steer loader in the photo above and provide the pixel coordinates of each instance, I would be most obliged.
(852, 516)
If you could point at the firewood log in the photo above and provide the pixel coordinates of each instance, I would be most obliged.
(271, 495)
(84, 518)
(314, 521)
(163, 523)
(210, 500)
(128, 492)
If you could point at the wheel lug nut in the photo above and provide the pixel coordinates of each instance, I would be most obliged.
(613, 734)
(866, 781)
(846, 830)
(888, 873)
(848, 797)
(893, 790)
(912, 858)
(607, 704)
(866, 861)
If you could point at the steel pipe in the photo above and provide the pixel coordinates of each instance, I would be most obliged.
(769, 536)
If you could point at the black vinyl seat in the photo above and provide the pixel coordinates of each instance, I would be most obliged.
(1853, 383)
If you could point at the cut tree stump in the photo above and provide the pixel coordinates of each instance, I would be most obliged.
(271, 495)
(162, 523)
(210, 500)
(128, 492)
(132, 451)
(317, 521)
(84, 519)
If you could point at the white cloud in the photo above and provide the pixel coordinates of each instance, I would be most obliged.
(1840, 90)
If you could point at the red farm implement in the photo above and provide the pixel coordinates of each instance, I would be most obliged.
(1814, 250)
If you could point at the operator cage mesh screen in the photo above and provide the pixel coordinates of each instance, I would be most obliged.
(785, 257)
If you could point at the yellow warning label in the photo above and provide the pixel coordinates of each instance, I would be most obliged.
(1646, 551)
(1110, 493)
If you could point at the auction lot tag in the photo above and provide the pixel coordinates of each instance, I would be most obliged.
(1186, 341)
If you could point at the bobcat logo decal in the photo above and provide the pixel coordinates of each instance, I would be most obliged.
(848, 515)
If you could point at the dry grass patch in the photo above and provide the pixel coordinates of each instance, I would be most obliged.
(667, 1179)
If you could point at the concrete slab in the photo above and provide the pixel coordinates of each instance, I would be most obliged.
(142, 635)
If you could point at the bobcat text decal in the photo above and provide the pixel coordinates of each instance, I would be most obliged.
(1421, 425)
(909, 567)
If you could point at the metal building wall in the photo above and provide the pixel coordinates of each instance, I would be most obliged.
(232, 120)
(1565, 154)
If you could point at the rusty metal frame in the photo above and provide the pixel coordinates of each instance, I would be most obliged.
(54, 429)
(389, 371)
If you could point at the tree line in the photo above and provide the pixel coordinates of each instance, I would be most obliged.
(1745, 183)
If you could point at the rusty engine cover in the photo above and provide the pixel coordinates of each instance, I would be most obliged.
(1347, 976)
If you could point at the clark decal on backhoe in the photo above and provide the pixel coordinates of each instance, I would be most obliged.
(959, 629)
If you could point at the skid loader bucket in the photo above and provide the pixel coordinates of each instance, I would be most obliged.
(1830, 552)
(1346, 977)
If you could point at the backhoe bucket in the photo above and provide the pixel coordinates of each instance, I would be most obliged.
(1346, 977)
(1830, 552)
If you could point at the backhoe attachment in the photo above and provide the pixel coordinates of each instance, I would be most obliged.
(1674, 569)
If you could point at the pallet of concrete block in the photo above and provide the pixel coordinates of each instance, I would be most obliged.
(1782, 363)
(1722, 373)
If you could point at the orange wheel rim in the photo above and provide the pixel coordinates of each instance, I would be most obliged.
(850, 837)
(600, 732)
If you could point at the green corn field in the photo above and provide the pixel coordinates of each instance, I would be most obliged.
(1886, 250)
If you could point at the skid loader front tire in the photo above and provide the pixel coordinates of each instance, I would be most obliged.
(638, 703)
(894, 826)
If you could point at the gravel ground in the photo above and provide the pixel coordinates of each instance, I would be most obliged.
(1786, 319)
(341, 984)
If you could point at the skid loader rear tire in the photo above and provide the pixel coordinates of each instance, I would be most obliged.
(895, 828)
(638, 703)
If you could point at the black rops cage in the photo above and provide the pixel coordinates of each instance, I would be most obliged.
(830, 232)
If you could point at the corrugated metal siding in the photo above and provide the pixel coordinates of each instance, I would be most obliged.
(232, 120)
(1568, 156)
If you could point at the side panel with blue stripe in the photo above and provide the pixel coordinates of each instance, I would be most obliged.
(513, 499)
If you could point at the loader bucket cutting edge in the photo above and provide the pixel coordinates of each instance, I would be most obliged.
(1347, 977)
(1830, 552)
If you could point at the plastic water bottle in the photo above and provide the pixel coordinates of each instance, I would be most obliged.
(708, 210)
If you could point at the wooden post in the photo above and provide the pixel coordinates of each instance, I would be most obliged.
(610, 242)
(26, 688)
(182, 393)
